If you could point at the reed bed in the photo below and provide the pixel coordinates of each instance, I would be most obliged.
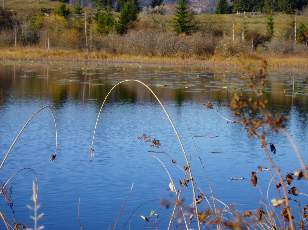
(217, 62)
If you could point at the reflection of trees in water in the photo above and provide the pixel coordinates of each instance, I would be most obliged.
(179, 96)
(58, 86)
(59, 95)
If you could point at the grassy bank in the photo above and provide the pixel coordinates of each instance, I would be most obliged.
(297, 64)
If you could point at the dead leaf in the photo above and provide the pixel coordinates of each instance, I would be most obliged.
(247, 214)
(254, 179)
(293, 191)
(289, 178)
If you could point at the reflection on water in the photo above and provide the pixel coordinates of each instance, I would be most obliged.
(121, 159)
(60, 84)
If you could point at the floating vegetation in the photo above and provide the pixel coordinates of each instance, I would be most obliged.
(237, 178)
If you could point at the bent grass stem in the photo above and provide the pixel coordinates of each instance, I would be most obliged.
(175, 131)
(28, 122)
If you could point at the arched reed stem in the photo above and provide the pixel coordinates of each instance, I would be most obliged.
(175, 131)
(12, 177)
(48, 108)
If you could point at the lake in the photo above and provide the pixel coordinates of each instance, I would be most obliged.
(124, 181)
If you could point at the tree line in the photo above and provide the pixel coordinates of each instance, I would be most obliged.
(78, 25)
(267, 6)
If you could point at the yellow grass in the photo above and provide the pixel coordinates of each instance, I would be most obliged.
(215, 63)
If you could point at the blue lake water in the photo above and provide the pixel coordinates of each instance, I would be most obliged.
(218, 150)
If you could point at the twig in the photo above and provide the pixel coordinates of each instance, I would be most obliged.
(176, 192)
(5, 222)
(78, 215)
(296, 150)
(123, 207)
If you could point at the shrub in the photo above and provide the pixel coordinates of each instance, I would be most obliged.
(203, 45)
(228, 48)
(280, 47)
(6, 37)
(256, 39)
(286, 47)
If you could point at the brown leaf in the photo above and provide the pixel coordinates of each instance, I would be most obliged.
(209, 105)
(289, 178)
(184, 182)
(302, 225)
(215, 221)
(305, 214)
(254, 179)
(178, 202)
(260, 214)
(299, 174)
(285, 215)
(232, 225)
(247, 214)
(200, 198)
(202, 216)
(293, 191)
(278, 185)
(53, 157)
(155, 143)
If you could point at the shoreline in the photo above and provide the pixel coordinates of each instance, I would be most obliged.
(285, 64)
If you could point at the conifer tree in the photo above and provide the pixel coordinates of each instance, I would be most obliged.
(155, 3)
(302, 33)
(222, 7)
(105, 21)
(129, 13)
(270, 27)
(183, 21)
(63, 10)
(77, 8)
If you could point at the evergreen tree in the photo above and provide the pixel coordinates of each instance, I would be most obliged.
(103, 3)
(268, 6)
(287, 6)
(77, 8)
(183, 21)
(129, 13)
(302, 32)
(63, 11)
(300, 4)
(270, 27)
(105, 21)
(155, 3)
(222, 7)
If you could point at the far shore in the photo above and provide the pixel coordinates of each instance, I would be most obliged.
(277, 63)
